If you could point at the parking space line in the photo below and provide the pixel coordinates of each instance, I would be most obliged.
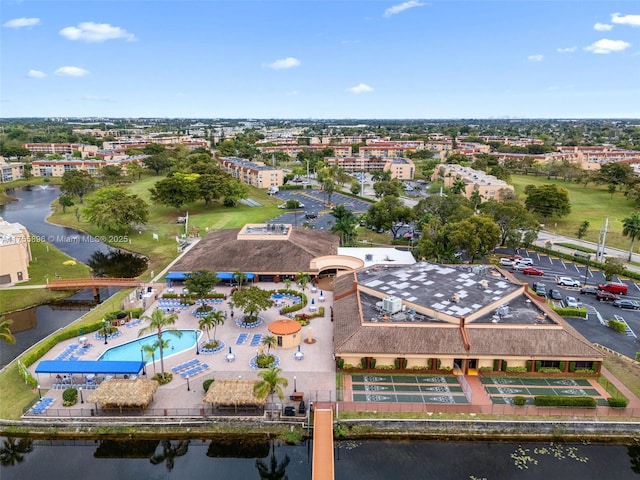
(577, 269)
(563, 264)
(636, 285)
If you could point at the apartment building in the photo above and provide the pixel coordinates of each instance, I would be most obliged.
(400, 168)
(489, 187)
(293, 150)
(256, 174)
(61, 149)
(388, 149)
(141, 142)
(11, 171)
(15, 251)
(572, 157)
(57, 168)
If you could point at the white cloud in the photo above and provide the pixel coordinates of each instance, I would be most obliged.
(292, 93)
(71, 72)
(284, 63)
(360, 88)
(96, 32)
(606, 46)
(402, 7)
(566, 49)
(602, 27)
(36, 74)
(21, 22)
(633, 20)
(535, 58)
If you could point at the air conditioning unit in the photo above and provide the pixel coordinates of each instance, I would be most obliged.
(392, 304)
(368, 257)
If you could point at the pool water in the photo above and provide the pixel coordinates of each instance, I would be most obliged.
(132, 351)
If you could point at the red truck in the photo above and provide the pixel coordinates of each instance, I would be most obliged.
(614, 287)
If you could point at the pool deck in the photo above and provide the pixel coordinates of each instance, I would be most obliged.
(314, 374)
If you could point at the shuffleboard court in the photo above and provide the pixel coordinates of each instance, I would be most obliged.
(442, 389)
(535, 381)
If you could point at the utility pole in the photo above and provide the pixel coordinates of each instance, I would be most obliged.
(602, 241)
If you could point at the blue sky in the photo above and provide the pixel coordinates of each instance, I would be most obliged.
(320, 59)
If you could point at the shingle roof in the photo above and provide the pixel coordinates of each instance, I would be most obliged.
(221, 251)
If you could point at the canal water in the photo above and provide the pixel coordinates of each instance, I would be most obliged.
(355, 460)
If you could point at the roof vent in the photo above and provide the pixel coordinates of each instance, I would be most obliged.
(391, 305)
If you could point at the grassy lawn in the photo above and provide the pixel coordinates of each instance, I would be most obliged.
(163, 222)
(46, 261)
(592, 203)
(624, 372)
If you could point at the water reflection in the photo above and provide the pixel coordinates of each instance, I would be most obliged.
(14, 450)
(117, 263)
(168, 452)
(275, 470)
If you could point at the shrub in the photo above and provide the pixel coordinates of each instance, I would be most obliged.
(617, 402)
(517, 369)
(564, 401)
(487, 369)
(637, 356)
(346, 366)
(207, 383)
(340, 363)
(585, 370)
(168, 377)
(136, 312)
(264, 360)
(384, 367)
(571, 312)
(519, 400)
(212, 345)
(69, 397)
(372, 363)
(420, 367)
(617, 326)
(446, 369)
(496, 363)
(550, 370)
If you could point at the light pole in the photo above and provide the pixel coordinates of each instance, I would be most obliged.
(197, 346)
(188, 387)
(295, 389)
(81, 397)
(39, 392)
(144, 371)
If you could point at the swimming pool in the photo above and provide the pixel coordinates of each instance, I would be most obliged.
(132, 351)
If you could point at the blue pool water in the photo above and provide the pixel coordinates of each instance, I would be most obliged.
(131, 351)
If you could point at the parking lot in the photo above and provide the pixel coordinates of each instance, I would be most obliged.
(315, 203)
(591, 328)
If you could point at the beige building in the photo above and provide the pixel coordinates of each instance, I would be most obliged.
(15, 252)
(256, 174)
(11, 171)
(57, 168)
(490, 187)
(61, 149)
(400, 168)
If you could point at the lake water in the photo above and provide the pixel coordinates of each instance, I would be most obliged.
(355, 460)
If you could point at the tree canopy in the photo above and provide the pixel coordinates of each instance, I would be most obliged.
(77, 182)
(113, 208)
(547, 200)
(252, 300)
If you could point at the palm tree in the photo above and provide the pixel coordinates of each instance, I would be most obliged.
(476, 198)
(150, 353)
(268, 341)
(159, 322)
(303, 279)
(13, 451)
(275, 470)
(271, 383)
(287, 283)
(211, 321)
(458, 187)
(5, 330)
(631, 228)
(239, 276)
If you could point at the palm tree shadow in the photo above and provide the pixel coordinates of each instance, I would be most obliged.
(170, 452)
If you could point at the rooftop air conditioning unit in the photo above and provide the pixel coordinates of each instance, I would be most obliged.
(392, 304)
(368, 257)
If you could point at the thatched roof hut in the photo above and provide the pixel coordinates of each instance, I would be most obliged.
(124, 394)
(233, 393)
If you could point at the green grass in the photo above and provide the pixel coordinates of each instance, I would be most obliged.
(46, 261)
(579, 248)
(592, 203)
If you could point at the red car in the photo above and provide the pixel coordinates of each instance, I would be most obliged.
(614, 287)
(532, 271)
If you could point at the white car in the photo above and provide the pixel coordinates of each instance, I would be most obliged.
(527, 262)
(506, 262)
(568, 282)
(284, 205)
(571, 302)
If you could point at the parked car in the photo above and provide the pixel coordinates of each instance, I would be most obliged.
(606, 296)
(624, 303)
(588, 290)
(525, 261)
(284, 205)
(614, 287)
(519, 266)
(568, 282)
(571, 302)
(506, 262)
(532, 271)
(554, 294)
(310, 216)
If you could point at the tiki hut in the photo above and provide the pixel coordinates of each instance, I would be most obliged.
(234, 395)
(121, 395)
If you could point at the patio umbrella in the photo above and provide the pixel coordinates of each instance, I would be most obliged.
(321, 293)
(313, 301)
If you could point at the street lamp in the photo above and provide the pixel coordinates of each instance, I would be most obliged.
(197, 346)
(39, 392)
(188, 387)
(81, 397)
(144, 372)
(295, 389)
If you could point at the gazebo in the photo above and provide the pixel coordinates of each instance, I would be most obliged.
(234, 395)
(286, 331)
(117, 394)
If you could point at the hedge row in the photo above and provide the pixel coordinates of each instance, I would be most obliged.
(571, 312)
(564, 401)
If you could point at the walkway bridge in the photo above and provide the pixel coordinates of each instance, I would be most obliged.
(96, 283)
(323, 461)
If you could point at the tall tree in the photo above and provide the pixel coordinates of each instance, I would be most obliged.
(631, 229)
(200, 283)
(268, 341)
(270, 383)
(547, 200)
(303, 280)
(252, 300)
(113, 208)
(476, 235)
(239, 276)
(77, 182)
(174, 191)
(134, 169)
(111, 174)
(160, 322)
(150, 353)
(389, 214)
(345, 224)
(211, 321)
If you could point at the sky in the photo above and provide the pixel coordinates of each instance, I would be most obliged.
(315, 59)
